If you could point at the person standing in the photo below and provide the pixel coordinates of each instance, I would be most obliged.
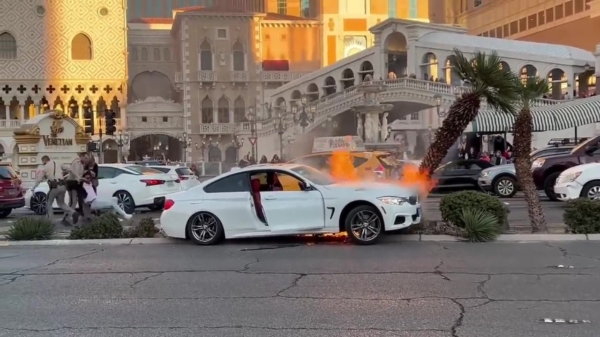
(57, 189)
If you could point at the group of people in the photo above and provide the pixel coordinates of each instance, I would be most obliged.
(496, 158)
(249, 160)
(80, 181)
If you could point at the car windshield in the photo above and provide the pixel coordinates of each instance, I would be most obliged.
(142, 170)
(7, 173)
(589, 142)
(313, 175)
(550, 152)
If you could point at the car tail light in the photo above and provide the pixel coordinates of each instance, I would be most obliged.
(168, 204)
(183, 178)
(152, 182)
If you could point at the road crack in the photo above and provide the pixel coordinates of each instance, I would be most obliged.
(136, 283)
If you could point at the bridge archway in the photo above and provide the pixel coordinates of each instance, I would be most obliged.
(395, 46)
(151, 84)
(155, 146)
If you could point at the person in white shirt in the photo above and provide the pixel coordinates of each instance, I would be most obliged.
(99, 203)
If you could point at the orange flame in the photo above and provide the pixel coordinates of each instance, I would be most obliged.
(342, 170)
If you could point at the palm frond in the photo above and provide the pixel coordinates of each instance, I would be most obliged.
(532, 88)
(484, 75)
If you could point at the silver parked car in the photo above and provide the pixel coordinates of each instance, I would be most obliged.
(502, 179)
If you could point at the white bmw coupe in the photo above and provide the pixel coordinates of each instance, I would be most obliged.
(287, 199)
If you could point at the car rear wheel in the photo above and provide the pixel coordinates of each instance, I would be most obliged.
(38, 203)
(205, 229)
(591, 190)
(125, 201)
(364, 225)
(549, 186)
(505, 187)
(5, 212)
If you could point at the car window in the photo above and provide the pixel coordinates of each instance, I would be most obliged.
(319, 162)
(313, 175)
(229, 184)
(106, 172)
(276, 181)
(184, 171)
(142, 170)
(162, 169)
(359, 161)
(7, 173)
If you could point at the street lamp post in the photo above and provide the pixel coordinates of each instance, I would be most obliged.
(253, 138)
(280, 131)
(288, 146)
(438, 104)
(185, 143)
(122, 140)
(306, 115)
(237, 143)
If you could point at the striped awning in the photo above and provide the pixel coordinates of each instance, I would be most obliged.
(574, 113)
(492, 121)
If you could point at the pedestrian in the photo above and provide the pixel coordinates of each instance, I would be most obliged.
(57, 189)
(499, 159)
(97, 203)
(275, 159)
(263, 159)
(485, 157)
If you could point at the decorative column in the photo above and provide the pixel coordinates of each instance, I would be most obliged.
(22, 113)
(370, 116)
(7, 113)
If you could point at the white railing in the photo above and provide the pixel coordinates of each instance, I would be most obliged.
(223, 128)
(10, 124)
(207, 76)
(240, 76)
(282, 76)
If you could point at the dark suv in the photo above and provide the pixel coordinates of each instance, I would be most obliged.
(11, 193)
(547, 169)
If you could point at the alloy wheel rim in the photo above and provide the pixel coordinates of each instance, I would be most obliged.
(505, 187)
(123, 201)
(38, 204)
(365, 225)
(204, 227)
(594, 193)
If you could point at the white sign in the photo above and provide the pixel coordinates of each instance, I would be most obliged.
(346, 143)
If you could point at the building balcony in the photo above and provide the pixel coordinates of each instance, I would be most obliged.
(207, 76)
(223, 128)
(282, 76)
(11, 124)
(239, 76)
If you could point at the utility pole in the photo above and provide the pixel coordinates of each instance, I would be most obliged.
(100, 150)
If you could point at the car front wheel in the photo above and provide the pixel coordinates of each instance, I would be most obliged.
(5, 212)
(364, 225)
(38, 203)
(205, 229)
(591, 191)
(505, 187)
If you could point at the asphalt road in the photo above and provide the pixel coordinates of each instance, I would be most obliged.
(413, 289)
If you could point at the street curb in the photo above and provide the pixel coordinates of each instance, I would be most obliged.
(515, 238)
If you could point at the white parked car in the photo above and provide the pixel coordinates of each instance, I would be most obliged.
(582, 181)
(134, 186)
(183, 173)
(287, 199)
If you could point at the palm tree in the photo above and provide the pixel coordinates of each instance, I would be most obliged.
(528, 91)
(486, 80)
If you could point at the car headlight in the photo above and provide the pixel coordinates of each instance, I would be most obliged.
(538, 163)
(484, 174)
(568, 178)
(393, 200)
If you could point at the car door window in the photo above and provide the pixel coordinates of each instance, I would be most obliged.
(106, 172)
(161, 169)
(229, 184)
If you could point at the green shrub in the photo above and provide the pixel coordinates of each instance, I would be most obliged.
(31, 229)
(479, 225)
(583, 216)
(105, 226)
(452, 206)
(145, 228)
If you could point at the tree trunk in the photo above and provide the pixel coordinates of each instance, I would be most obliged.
(523, 130)
(462, 112)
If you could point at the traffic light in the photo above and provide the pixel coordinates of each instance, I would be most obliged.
(110, 122)
(88, 120)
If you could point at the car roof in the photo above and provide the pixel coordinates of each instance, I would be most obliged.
(173, 167)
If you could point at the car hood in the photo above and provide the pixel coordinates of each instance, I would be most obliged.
(584, 167)
(502, 168)
(383, 188)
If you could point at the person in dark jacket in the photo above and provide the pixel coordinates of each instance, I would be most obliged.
(264, 160)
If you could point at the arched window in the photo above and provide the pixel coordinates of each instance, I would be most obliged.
(144, 54)
(207, 110)
(167, 55)
(81, 47)
(134, 54)
(8, 47)
(223, 113)
(239, 111)
(206, 56)
(239, 57)
(156, 54)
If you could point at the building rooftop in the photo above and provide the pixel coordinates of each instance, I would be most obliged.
(547, 50)
(152, 20)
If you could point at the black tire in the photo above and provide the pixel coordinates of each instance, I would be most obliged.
(38, 203)
(505, 187)
(5, 212)
(549, 186)
(364, 212)
(592, 185)
(126, 201)
(206, 223)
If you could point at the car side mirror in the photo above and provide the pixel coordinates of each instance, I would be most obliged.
(590, 149)
(304, 186)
